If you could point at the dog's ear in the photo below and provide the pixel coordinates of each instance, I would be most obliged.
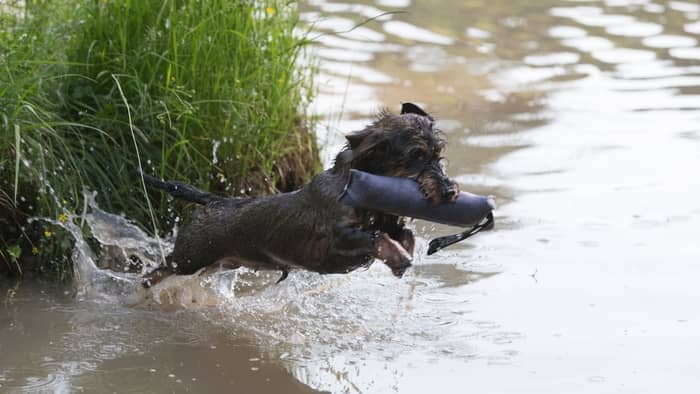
(367, 143)
(356, 137)
(410, 108)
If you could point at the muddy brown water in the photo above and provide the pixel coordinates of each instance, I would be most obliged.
(581, 117)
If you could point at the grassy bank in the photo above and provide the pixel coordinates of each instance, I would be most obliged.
(207, 92)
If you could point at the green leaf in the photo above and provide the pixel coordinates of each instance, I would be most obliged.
(14, 251)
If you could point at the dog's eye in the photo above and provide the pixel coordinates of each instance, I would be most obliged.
(417, 154)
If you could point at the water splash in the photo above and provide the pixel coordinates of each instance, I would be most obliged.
(119, 242)
(214, 148)
(304, 319)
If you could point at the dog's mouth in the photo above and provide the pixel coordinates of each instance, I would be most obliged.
(438, 191)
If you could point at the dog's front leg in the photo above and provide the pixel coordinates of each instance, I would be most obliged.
(395, 228)
(407, 240)
(393, 254)
(355, 247)
(351, 247)
(352, 241)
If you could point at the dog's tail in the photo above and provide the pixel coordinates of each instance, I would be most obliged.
(180, 190)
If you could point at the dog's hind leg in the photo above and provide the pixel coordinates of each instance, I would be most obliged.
(225, 264)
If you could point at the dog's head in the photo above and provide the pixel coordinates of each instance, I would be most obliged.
(406, 145)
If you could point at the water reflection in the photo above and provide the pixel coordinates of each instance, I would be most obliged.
(575, 115)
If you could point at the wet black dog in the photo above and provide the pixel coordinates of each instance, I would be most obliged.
(309, 228)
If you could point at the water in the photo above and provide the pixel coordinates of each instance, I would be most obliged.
(583, 118)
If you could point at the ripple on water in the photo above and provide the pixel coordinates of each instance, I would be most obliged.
(635, 29)
(603, 20)
(683, 6)
(344, 55)
(623, 55)
(624, 3)
(42, 382)
(551, 59)
(394, 3)
(655, 69)
(345, 27)
(566, 32)
(50, 377)
(573, 12)
(473, 32)
(669, 41)
(355, 45)
(366, 74)
(654, 8)
(588, 44)
(425, 58)
(591, 16)
(685, 53)
(692, 28)
(412, 32)
(359, 9)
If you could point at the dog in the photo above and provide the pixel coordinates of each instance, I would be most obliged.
(309, 228)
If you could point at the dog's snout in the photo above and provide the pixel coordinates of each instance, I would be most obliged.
(449, 190)
(449, 194)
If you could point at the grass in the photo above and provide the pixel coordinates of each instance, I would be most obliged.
(209, 92)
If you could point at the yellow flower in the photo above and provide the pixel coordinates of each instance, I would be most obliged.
(270, 11)
(35, 250)
(48, 233)
(63, 218)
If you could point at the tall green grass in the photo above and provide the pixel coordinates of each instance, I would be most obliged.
(207, 91)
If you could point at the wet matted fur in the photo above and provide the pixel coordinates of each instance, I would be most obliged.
(309, 228)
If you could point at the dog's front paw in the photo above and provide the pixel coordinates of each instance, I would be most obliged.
(400, 270)
(393, 254)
